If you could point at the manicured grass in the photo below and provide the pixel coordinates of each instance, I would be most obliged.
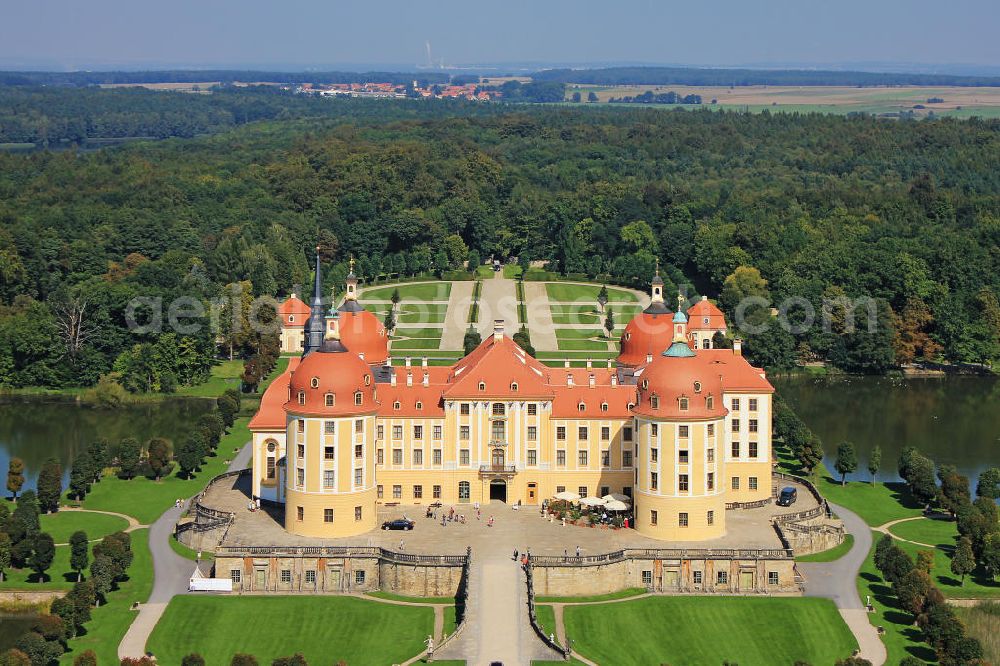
(450, 620)
(147, 499)
(189, 553)
(62, 525)
(325, 629)
(933, 531)
(418, 332)
(411, 600)
(575, 318)
(422, 313)
(417, 343)
(875, 504)
(621, 594)
(109, 622)
(581, 345)
(560, 291)
(430, 291)
(710, 630)
(978, 585)
(546, 617)
(511, 271)
(59, 576)
(901, 638)
(579, 333)
(830, 555)
(224, 375)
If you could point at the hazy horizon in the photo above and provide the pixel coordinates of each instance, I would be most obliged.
(308, 34)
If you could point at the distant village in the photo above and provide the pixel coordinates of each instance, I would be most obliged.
(470, 91)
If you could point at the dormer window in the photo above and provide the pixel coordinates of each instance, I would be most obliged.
(420, 405)
(357, 398)
(628, 336)
(705, 320)
(314, 382)
(710, 402)
(368, 380)
(654, 401)
(645, 384)
(302, 397)
(329, 400)
(582, 407)
(697, 387)
(396, 405)
(482, 386)
(513, 386)
(683, 404)
(291, 318)
(604, 406)
(631, 406)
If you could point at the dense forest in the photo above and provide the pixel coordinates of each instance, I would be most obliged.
(693, 76)
(775, 206)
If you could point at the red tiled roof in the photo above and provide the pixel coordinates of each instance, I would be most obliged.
(499, 364)
(647, 333)
(705, 310)
(341, 373)
(271, 413)
(294, 307)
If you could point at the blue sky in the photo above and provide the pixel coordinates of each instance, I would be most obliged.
(68, 34)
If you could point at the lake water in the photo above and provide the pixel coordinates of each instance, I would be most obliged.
(35, 430)
(954, 420)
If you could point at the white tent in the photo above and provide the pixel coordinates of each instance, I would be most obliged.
(567, 496)
(617, 497)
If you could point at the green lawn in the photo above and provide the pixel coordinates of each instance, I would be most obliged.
(546, 619)
(60, 576)
(511, 271)
(569, 344)
(61, 525)
(621, 594)
(710, 630)
(411, 600)
(934, 531)
(417, 343)
(979, 585)
(430, 291)
(575, 318)
(325, 629)
(567, 293)
(188, 553)
(146, 499)
(109, 622)
(901, 638)
(830, 555)
(876, 504)
(224, 375)
(419, 332)
(422, 313)
(579, 333)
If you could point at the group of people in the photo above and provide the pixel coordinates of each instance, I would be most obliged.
(453, 517)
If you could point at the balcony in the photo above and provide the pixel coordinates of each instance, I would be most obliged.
(498, 471)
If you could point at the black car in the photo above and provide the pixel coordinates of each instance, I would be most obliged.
(787, 497)
(398, 524)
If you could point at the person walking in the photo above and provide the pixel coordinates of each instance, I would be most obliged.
(578, 551)
(490, 524)
(401, 547)
(515, 554)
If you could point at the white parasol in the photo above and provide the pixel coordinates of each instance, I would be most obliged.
(567, 496)
(617, 496)
(592, 501)
(616, 505)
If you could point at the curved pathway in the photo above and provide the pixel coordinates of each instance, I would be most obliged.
(133, 523)
(886, 528)
(837, 580)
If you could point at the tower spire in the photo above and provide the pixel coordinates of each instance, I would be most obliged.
(316, 326)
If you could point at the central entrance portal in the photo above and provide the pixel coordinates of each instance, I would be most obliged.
(498, 490)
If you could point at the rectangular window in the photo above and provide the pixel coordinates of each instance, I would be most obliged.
(734, 425)
(654, 455)
(682, 457)
(327, 515)
(752, 482)
(654, 430)
(682, 431)
(418, 492)
(236, 576)
(736, 404)
(380, 491)
(654, 480)
(583, 432)
(418, 457)
(397, 432)
(397, 456)
(532, 457)
(772, 577)
(627, 433)
(463, 432)
(581, 458)
(752, 425)
(753, 449)
(736, 449)
(300, 477)
(359, 477)
(498, 409)
(626, 458)
(560, 432)
(463, 457)
(696, 575)
(463, 409)
(560, 457)
(330, 427)
(753, 404)
(735, 483)
(722, 577)
(498, 431)
(464, 490)
(605, 433)
(710, 517)
(582, 491)
(711, 430)
(532, 433)
(710, 455)
(359, 426)
(682, 482)
(605, 490)
(682, 519)
(652, 517)
(605, 459)
(560, 489)
(359, 577)
(438, 432)
(328, 478)
(301, 451)
(301, 425)
(710, 482)
(270, 467)
(328, 453)
(300, 513)
(311, 576)
(380, 432)
(359, 450)
(286, 576)
(418, 432)
(380, 456)
(647, 578)
(438, 456)
(532, 409)
(397, 492)
(437, 492)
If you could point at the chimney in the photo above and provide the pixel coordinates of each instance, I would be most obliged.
(592, 381)
(423, 362)
(407, 361)
(409, 378)
(569, 379)
(738, 347)
(392, 378)
(497, 330)
(427, 379)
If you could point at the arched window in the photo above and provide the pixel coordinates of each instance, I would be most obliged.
(302, 397)
(357, 398)
(513, 386)
(329, 400)
(581, 407)
(683, 404)
(482, 386)
(271, 447)
(396, 405)
(291, 318)
(697, 387)
(628, 336)
(645, 384)
(314, 382)
(631, 406)
(604, 406)
(368, 380)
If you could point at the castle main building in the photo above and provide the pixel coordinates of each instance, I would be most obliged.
(681, 427)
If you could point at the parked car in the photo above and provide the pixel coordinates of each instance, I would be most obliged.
(398, 524)
(787, 497)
